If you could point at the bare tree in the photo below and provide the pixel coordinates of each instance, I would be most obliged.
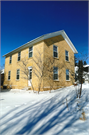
(25, 71)
(41, 69)
(38, 68)
(49, 63)
(79, 62)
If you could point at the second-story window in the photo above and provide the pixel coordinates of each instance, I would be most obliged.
(10, 60)
(66, 55)
(9, 75)
(18, 74)
(30, 51)
(19, 56)
(55, 51)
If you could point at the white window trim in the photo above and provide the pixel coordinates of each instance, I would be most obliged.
(58, 75)
(20, 56)
(66, 55)
(30, 51)
(10, 74)
(19, 74)
(69, 75)
(54, 51)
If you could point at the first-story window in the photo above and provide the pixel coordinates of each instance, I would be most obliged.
(9, 75)
(67, 74)
(18, 74)
(10, 60)
(30, 51)
(55, 73)
(19, 55)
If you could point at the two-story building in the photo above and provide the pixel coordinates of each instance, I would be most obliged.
(56, 45)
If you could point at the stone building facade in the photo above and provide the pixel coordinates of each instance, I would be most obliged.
(56, 45)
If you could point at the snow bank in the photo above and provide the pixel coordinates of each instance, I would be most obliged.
(58, 112)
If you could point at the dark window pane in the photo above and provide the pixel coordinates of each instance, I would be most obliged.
(55, 54)
(17, 76)
(55, 48)
(9, 73)
(30, 69)
(18, 58)
(67, 71)
(55, 76)
(67, 77)
(18, 72)
(30, 54)
(67, 74)
(30, 49)
(30, 75)
(10, 59)
(55, 70)
(67, 58)
(66, 53)
(8, 77)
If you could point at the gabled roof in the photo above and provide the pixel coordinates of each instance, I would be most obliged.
(43, 37)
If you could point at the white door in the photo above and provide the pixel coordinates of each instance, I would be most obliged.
(30, 76)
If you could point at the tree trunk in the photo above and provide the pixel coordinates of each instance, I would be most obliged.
(80, 89)
(39, 86)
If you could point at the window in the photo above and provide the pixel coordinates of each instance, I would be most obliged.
(10, 60)
(67, 55)
(67, 74)
(55, 73)
(55, 51)
(30, 73)
(30, 51)
(18, 73)
(19, 55)
(9, 75)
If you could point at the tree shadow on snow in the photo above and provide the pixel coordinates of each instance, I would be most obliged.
(40, 117)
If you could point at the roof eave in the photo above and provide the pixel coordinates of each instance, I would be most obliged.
(46, 36)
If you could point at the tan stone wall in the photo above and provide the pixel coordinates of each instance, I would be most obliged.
(21, 83)
(60, 61)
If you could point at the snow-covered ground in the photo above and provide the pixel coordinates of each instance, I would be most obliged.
(55, 113)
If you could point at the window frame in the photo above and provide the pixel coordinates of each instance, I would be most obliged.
(17, 74)
(55, 51)
(66, 55)
(9, 75)
(30, 51)
(67, 75)
(19, 56)
(10, 60)
(56, 74)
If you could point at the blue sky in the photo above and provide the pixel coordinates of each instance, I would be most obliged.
(23, 21)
